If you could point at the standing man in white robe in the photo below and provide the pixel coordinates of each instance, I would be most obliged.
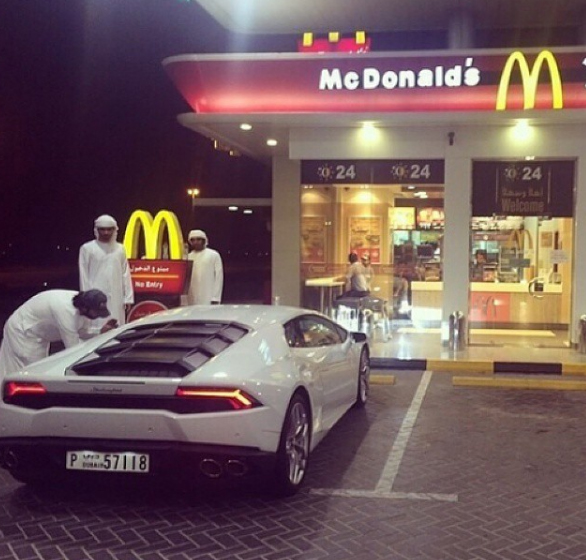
(48, 317)
(207, 276)
(103, 266)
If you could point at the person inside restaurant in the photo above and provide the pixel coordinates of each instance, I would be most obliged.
(481, 270)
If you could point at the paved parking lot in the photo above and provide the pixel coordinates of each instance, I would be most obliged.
(427, 471)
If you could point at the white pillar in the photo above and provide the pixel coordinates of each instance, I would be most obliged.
(578, 283)
(461, 30)
(286, 247)
(456, 244)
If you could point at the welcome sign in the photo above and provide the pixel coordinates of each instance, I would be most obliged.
(523, 188)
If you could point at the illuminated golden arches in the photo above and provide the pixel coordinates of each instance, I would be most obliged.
(153, 230)
(529, 79)
(516, 238)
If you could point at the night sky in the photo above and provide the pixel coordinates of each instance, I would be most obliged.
(88, 122)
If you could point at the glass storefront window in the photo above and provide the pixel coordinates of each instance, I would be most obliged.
(520, 275)
(395, 230)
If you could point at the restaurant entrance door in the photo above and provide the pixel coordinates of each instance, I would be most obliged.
(521, 262)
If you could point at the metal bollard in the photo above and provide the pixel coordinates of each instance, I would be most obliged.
(582, 335)
(457, 332)
(276, 300)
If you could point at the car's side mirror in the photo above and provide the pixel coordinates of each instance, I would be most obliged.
(359, 336)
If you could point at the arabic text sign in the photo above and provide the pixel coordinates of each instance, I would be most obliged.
(159, 276)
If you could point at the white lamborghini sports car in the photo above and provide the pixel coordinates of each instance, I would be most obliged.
(215, 391)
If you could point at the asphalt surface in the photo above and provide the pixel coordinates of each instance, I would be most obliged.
(427, 471)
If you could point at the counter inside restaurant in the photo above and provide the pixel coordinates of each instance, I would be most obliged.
(502, 302)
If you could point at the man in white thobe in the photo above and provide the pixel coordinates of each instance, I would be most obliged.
(103, 266)
(48, 317)
(207, 276)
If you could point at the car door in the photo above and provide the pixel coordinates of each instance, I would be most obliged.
(327, 346)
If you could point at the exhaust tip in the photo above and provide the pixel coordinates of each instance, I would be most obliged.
(211, 468)
(235, 467)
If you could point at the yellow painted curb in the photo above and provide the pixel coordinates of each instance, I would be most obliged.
(470, 366)
(519, 383)
(574, 369)
(382, 379)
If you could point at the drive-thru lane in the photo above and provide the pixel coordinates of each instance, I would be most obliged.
(427, 470)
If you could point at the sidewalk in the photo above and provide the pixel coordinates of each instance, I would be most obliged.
(495, 352)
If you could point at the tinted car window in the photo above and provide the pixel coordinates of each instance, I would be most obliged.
(293, 335)
(318, 331)
(342, 332)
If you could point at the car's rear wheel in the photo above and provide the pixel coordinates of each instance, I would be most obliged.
(293, 452)
(363, 379)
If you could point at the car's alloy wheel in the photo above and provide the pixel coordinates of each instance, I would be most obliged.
(363, 379)
(293, 453)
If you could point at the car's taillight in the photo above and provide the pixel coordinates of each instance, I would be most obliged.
(14, 389)
(237, 399)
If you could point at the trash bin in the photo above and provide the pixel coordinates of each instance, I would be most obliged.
(582, 335)
(457, 331)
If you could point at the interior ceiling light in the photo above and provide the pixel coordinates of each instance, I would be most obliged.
(233, 208)
(247, 211)
(271, 142)
(245, 126)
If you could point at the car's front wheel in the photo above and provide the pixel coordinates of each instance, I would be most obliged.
(293, 452)
(363, 379)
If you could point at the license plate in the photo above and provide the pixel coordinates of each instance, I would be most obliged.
(110, 462)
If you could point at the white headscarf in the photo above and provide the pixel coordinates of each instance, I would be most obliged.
(197, 234)
(106, 221)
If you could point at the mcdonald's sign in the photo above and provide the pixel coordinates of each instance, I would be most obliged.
(530, 79)
(155, 273)
(474, 80)
(153, 230)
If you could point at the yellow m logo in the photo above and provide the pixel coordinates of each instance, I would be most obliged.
(516, 239)
(153, 230)
(529, 80)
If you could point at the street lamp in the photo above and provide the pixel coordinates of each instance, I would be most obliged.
(193, 193)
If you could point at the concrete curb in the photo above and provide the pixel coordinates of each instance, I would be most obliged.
(480, 366)
(519, 383)
(383, 379)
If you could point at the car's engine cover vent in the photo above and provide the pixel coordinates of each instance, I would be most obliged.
(172, 349)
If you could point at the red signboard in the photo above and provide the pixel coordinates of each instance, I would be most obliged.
(144, 308)
(162, 277)
(381, 82)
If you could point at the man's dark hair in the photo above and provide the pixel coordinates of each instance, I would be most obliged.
(95, 300)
